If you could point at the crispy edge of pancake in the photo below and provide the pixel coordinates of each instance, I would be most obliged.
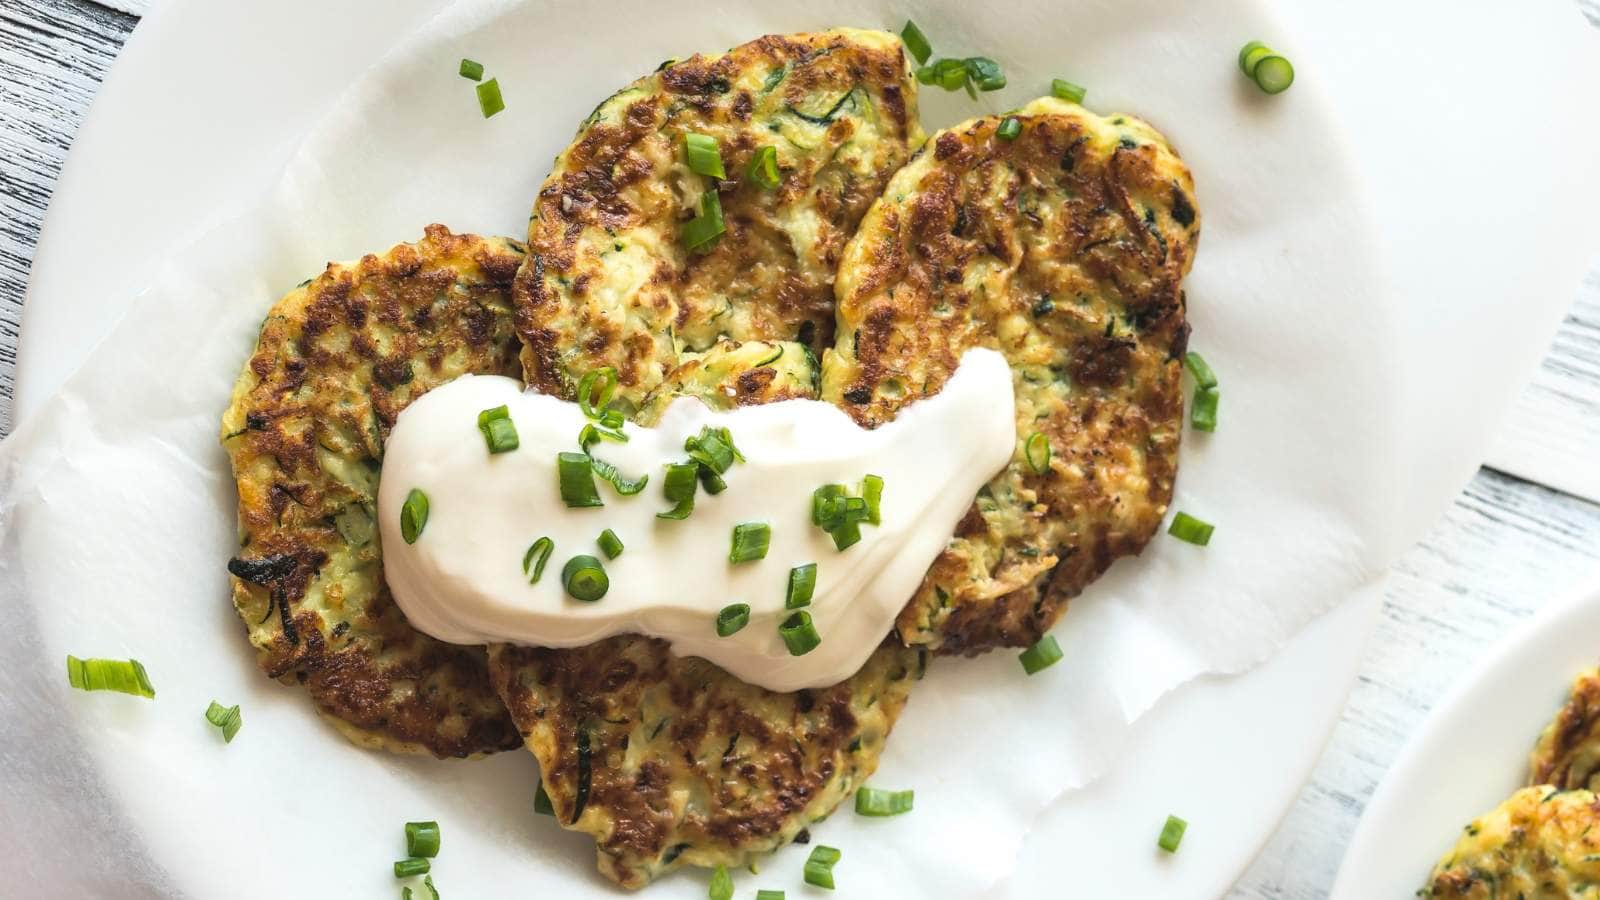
(608, 281)
(1567, 753)
(335, 362)
(1540, 844)
(1064, 249)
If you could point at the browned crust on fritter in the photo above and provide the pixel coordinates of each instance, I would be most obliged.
(337, 360)
(968, 242)
(1567, 754)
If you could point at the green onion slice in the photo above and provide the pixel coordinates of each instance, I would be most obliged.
(538, 554)
(413, 516)
(1009, 128)
(732, 619)
(1199, 370)
(427, 882)
(1172, 834)
(768, 894)
(750, 542)
(872, 493)
(819, 866)
(610, 544)
(224, 717)
(763, 168)
(612, 418)
(873, 802)
(126, 676)
(605, 382)
(541, 802)
(591, 434)
(802, 584)
(584, 578)
(703, 155)
(820, 500)
(1041, 655)
(576, 472)
(710, 450)
(1037, 452)
(1203, 411)
(625, 486)
(1274, 74)
(471, 68)
(712, 482)
(1245, 54)
(701, 232)
(916, 42)
(406, 868)
(499, 432)
(1185, 527)
(950, 74)
(678, 487)
(422, 838)
(985, 73)
(1065, 90)
(489, 99)
(799, 634)
(721, 887)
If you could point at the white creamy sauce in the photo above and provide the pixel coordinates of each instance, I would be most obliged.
(462, 580)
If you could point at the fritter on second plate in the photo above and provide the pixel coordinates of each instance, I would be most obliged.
(1541, 844)
(337, 359)
(608, 281)
(1567, 754)
(1065, 249)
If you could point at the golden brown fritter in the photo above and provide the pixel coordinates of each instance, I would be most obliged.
(337, 360)
(1541, 844)
(1065, 250)
(1567, 754)
(608, 281)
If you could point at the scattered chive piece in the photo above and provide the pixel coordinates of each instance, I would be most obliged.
(605, 381)
(712, 482)
(542, 549)
(819, 866)
(427, 882)
(802, 584)
(767, 894)
(1172, 834)
(1037, 451)
(584, 578)
(406, 868)
(1041, 655)
(733, 618)
(872, 492)
(763, 168)
(422, 838)
(541, 802)
(820, 498)
(916, 42)
(701, 232)
(703, 155)
(590, 434)
(799, 634)
(824, 854)
(627, 487)
(499, 432)
(1009, 128)
(1066, 90)
(721, 887)
(576, 471)
(750, 542)
(610, 544)
(1245, 52)
(612, 418)
(125, 676)
(678, 487)
(873, 802)
(489, 98)
(1187, 528)
(471, 68)
(224, 717)
(1203, 411)
(985, 73)
(710, 450)
(1271, 72)
(413, 515)
(1199, 370)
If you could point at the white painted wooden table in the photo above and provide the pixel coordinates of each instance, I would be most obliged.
(1526, 527)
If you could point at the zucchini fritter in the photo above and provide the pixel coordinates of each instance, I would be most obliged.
(337, 359)
(1541, 844)
(608, 281)
(1065, 250)
(1568, 752)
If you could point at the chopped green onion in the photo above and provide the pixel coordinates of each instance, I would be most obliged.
(406, 868)
(767, 894)
(1172, 834)
(927, 74)
(726, 437)
(499, 432)
(1185, 527)
(1203, 411)
(916, 42)
(802, 584)
(422, 838)
(610, 544)
(427, 882)
(712, 482)
(125, 676)
(1274, 74)
(224, 717)
(710, 450)
(985, 73)
(413, 515)
(949, 74)
(542, 549)
(847, 535)
(589, 435)
(541, 802)
(1037, 451)
(678, 487)
(605, 381)
(1199, 370)
(1009, 128)
(627, 487)
(584, 578)
(721, 887)
(750, 542)
(873, 802)
(824, 854)
(819, 866)
(612, 418)
(872, 493)
(763, 168)
(1245, 52)
(471, 68)
(703, 155)
(576, 471)
(489, 99)
(732, 618)
(702, 231)
(1066, 90)
(1041, 655)
(799, 634)
(820, 500)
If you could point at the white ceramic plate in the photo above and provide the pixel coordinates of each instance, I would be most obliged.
(1472, 751)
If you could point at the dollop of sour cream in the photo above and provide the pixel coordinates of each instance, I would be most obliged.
(463, 582)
